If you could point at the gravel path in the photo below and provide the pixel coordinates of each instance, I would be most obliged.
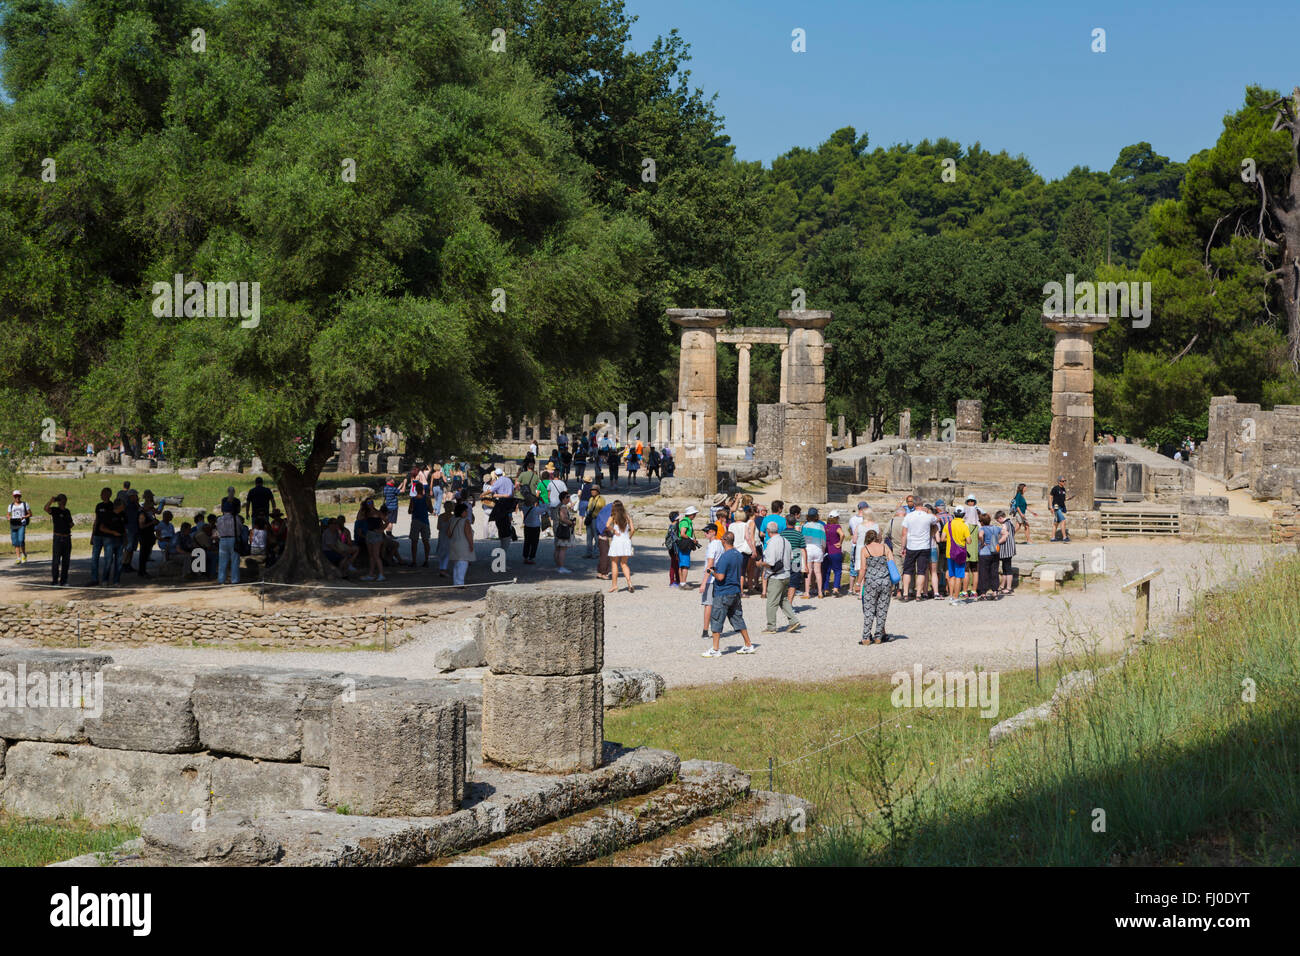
(659, 628)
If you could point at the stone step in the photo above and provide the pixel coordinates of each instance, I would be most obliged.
(702, 788)
(748, 823)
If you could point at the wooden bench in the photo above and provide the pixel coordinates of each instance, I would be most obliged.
(1126, 521)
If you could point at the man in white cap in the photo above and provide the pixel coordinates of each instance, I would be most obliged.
(19, 515)
(503, 490)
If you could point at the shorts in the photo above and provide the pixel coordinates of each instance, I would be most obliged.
(374, 537)
(934, 556)
(796, 580)
(956, 569)
(916, 562)
(706, 590)
(1060, 513)
(815, 554)
(420, 531)
(1006, 565)
(726, 607)
(333, 557)
(18, 535)
(683, 559)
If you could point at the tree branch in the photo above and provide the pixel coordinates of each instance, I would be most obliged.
(1185, 348)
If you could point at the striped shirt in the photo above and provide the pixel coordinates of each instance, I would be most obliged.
(1007, 549)
(797, 544)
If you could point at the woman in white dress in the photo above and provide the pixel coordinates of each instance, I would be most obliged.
(620, 549)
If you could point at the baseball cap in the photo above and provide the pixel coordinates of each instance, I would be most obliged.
(939, 503)
(863, 505)
(959, 511)
(710, 528)
(812, 513)
(833, 514)
(17, 492)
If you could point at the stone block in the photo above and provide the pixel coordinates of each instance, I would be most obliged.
(146, 708)
(624, 686)
(543, 724)
(47, 695)
(396, 752)
(104, 786)
(256, 786)
(227, 839)
(676, 487)
(1072, 380)
(900, 478)
(1203, 505)
(545, 630)
(260, 711)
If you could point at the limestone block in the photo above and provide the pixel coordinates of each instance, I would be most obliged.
(394, 751)
(104, 786)
(543, 724)
(624, 686)
(545, 629)
(257, 786)
(146, 708)
(47, 695)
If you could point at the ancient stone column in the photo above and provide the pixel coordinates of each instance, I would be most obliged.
(934, 425)
(905, 424)
(970, 420)
(1070, 452)
(784, 376)
(697, 451)
(543, 696)
(803, 458)
(742, 393)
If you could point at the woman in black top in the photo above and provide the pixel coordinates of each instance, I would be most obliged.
(147, 534)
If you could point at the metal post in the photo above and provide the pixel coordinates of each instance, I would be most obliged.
(1178, 600)
(770, 768)
(78, 627)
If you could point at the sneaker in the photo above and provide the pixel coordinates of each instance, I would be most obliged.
(563, 571)
(380, 578)
(368, 577)
(771, 630)
(712, 652)
(747, 649)
(793, 627)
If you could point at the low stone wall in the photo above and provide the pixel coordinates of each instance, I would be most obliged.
(77, 624)
(1284, 527)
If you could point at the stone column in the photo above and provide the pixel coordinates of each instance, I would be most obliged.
(742, 393)
(803, 458)
(697, 451)
(970, 420)
(934, 425)
(543, 696)
(784, 376)
(905, 424)
(1071, 449)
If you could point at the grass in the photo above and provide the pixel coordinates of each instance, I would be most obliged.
(40, 842)
(202, 493)
(1182, 768)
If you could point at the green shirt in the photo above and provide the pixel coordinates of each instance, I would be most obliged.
(797, 544)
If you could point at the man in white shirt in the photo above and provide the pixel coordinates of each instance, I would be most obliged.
(918, 532)
(855, 522)
(557, 488)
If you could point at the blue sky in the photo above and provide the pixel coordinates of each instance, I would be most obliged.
(1013, 75)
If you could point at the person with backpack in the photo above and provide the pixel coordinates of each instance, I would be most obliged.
(20, 515)
(956, 539)
(686, 543)
(670, 545)
(595, 503)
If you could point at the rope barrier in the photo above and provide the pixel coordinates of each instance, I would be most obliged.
(272, 584)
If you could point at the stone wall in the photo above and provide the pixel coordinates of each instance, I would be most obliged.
(771, 432)
(1248, 447)
(77, 624)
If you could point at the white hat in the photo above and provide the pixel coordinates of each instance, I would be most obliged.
(692, 510)
(959, 511)
(17, 492)
(833, 514)
(498, 472)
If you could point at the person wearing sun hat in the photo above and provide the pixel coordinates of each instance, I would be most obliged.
(19, 516)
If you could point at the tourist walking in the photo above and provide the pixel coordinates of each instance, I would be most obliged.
(877, 584)
(20, 515)
(725, 577)
(533, 512)
(419, 510)
(1020, 510)
(777, 556)
(461, 548)
(1058, 510)
(620, 529)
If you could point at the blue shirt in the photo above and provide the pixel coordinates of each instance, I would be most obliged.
(989, 538)
(729, 566)
(390, 499)
(778, 520)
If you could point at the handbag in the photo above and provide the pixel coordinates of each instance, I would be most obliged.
(894, 576)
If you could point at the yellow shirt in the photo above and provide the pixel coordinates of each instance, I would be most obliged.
(958, 534)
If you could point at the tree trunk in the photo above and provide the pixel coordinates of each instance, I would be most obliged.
(302, 559)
